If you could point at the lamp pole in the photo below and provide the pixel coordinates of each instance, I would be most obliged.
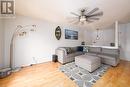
(7, 71)
(17, 31)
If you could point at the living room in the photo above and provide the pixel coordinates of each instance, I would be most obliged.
(29, 41)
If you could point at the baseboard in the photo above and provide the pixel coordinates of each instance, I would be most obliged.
(34, 64)
(125, 59)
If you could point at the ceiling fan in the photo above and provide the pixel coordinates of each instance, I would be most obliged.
(86, 16)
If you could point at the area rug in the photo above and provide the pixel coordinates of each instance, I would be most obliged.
(82, 77)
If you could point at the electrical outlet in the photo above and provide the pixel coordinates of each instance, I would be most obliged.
(34, 59)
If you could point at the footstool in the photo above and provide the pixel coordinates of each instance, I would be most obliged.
(88, 62)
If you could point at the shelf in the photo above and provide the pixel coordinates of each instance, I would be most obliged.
(107, 47)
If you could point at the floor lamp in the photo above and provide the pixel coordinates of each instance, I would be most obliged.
(19, 31)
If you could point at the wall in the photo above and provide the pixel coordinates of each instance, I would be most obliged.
(88, 36)
(106, 37)
(1, 43)
(127, 51)
(124, 41)
(35, 47)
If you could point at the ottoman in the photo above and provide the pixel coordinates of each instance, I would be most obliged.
(88, 62)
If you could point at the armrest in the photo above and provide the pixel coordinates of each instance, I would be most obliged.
(61, 52)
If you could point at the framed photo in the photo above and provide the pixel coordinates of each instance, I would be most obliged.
(71, 34)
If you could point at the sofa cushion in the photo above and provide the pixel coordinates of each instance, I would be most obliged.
(80, 48)
(73, 54)
(89, 59)
(110, 52)
(91, 54)
(74, 49)
(94, 50)
(68, 50)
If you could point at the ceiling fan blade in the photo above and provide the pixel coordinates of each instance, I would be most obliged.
(71, 21)
(94, 10)
(93, 18)
(74, 14)
(77, 22)
(96, 14)
(72, 18)
(82, 23)
(88, 21)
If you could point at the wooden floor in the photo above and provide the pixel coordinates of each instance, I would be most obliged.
(116, 76)
(48, 75)
(41, 75)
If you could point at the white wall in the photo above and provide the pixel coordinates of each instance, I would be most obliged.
(107, 36)
(88, 36)
(127, 51)
(124, 41)
(1, 43)
(39, 45)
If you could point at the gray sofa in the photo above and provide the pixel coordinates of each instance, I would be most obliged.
(67, 54)
(108, 56)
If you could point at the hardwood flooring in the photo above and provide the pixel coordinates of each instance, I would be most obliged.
(116, 76)
(40, 75)
(48, 75)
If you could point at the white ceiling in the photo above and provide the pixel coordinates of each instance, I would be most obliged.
(59, 10)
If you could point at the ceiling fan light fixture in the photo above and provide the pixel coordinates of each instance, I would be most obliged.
(82, 18)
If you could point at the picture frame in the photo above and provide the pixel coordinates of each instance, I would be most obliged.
(71, 34)
(58, 33)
